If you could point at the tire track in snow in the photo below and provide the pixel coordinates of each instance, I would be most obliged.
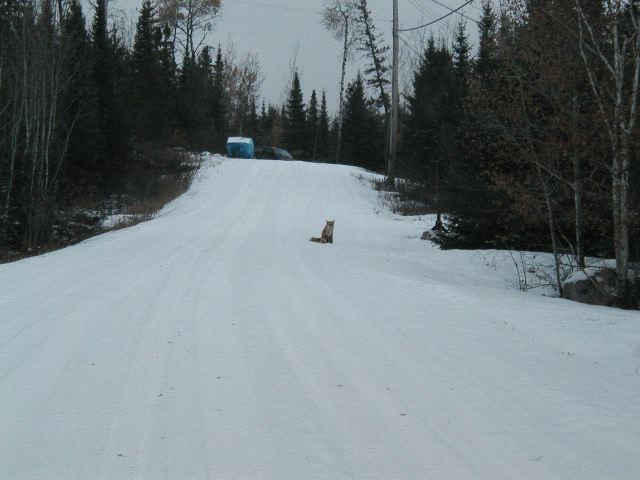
(229, 346)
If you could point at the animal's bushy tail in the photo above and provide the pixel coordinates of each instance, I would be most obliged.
(316, 239)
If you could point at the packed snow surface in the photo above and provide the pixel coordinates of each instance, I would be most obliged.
(217, 342)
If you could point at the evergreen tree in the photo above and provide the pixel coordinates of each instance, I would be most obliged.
(265, 124)
(74, 32)
(80, 166)
(166, 82)
(334, 128)
(462, 62)
(313, 125)
(147, 67)
(373, 48)
(218, 104)
(276, 126)
(485, 64)
(194, 94)
(112, 140)
(264, 118)
(166, 53)
(429, 120)
(266, 121)
(295, 130)
(205, 64)
(456, 174)
(323, 130)
(362, 142)
(283, 115)
(253, 128)
(477, 208)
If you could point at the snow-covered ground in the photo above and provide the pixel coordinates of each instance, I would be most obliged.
(217, 342)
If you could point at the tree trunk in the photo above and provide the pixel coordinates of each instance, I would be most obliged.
(552, 227)
(577, 195)
(345, 52)
(621, 218)
(618, 105)
(578, 191)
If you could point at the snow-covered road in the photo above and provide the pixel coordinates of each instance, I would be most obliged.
(217, 342)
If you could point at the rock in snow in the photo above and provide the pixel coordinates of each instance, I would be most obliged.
(593, 286)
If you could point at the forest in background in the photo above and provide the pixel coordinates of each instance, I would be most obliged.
(528, 142)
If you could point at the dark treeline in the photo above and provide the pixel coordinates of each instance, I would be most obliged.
(82, 115)
(530, 143)
(533, 142)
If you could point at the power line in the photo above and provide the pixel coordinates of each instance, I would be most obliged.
(429, 14)
(268, 5)
(437, 19)
(449, 8)
(424, 10)
(295, 9)
(410, 47)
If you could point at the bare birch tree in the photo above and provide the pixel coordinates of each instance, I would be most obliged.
(191, 21)
(611, 56)
(243, 80)
(339, 17)
(33, 81)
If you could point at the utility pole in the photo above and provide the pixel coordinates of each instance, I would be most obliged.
(395, 99)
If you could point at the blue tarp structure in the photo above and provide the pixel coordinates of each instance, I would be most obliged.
(240, 147)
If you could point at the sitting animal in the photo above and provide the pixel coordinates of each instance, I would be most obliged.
(327, 233)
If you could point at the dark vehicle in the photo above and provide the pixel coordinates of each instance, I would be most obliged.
(272, 153)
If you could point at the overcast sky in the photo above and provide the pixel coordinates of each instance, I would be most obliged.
(273, 28)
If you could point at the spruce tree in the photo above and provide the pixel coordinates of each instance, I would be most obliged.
(80, 167)
(283, 115)
(295, 133)
(112, 141)
(74, 32)
(264, 125)
(252, 123)
(146, 68)
(313, 124)
(264, 117)
(459, 172)
(323, 129)
(166, 82)
(373, 48)
(334, 128)
(362, 142)
(485, 64)
(429, 119)
(218, 103)
(194, 94)
(462, 61)
(475, 206)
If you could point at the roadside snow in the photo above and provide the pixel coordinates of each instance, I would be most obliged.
(217, 342)
(115, 220)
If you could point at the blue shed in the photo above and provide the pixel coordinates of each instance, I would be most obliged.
(240, 147)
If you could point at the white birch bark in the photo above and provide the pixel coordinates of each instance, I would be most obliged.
(617, 100)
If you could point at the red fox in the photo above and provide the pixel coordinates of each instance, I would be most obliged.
(327, 233)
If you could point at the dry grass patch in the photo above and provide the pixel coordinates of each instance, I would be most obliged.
(174, 169)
